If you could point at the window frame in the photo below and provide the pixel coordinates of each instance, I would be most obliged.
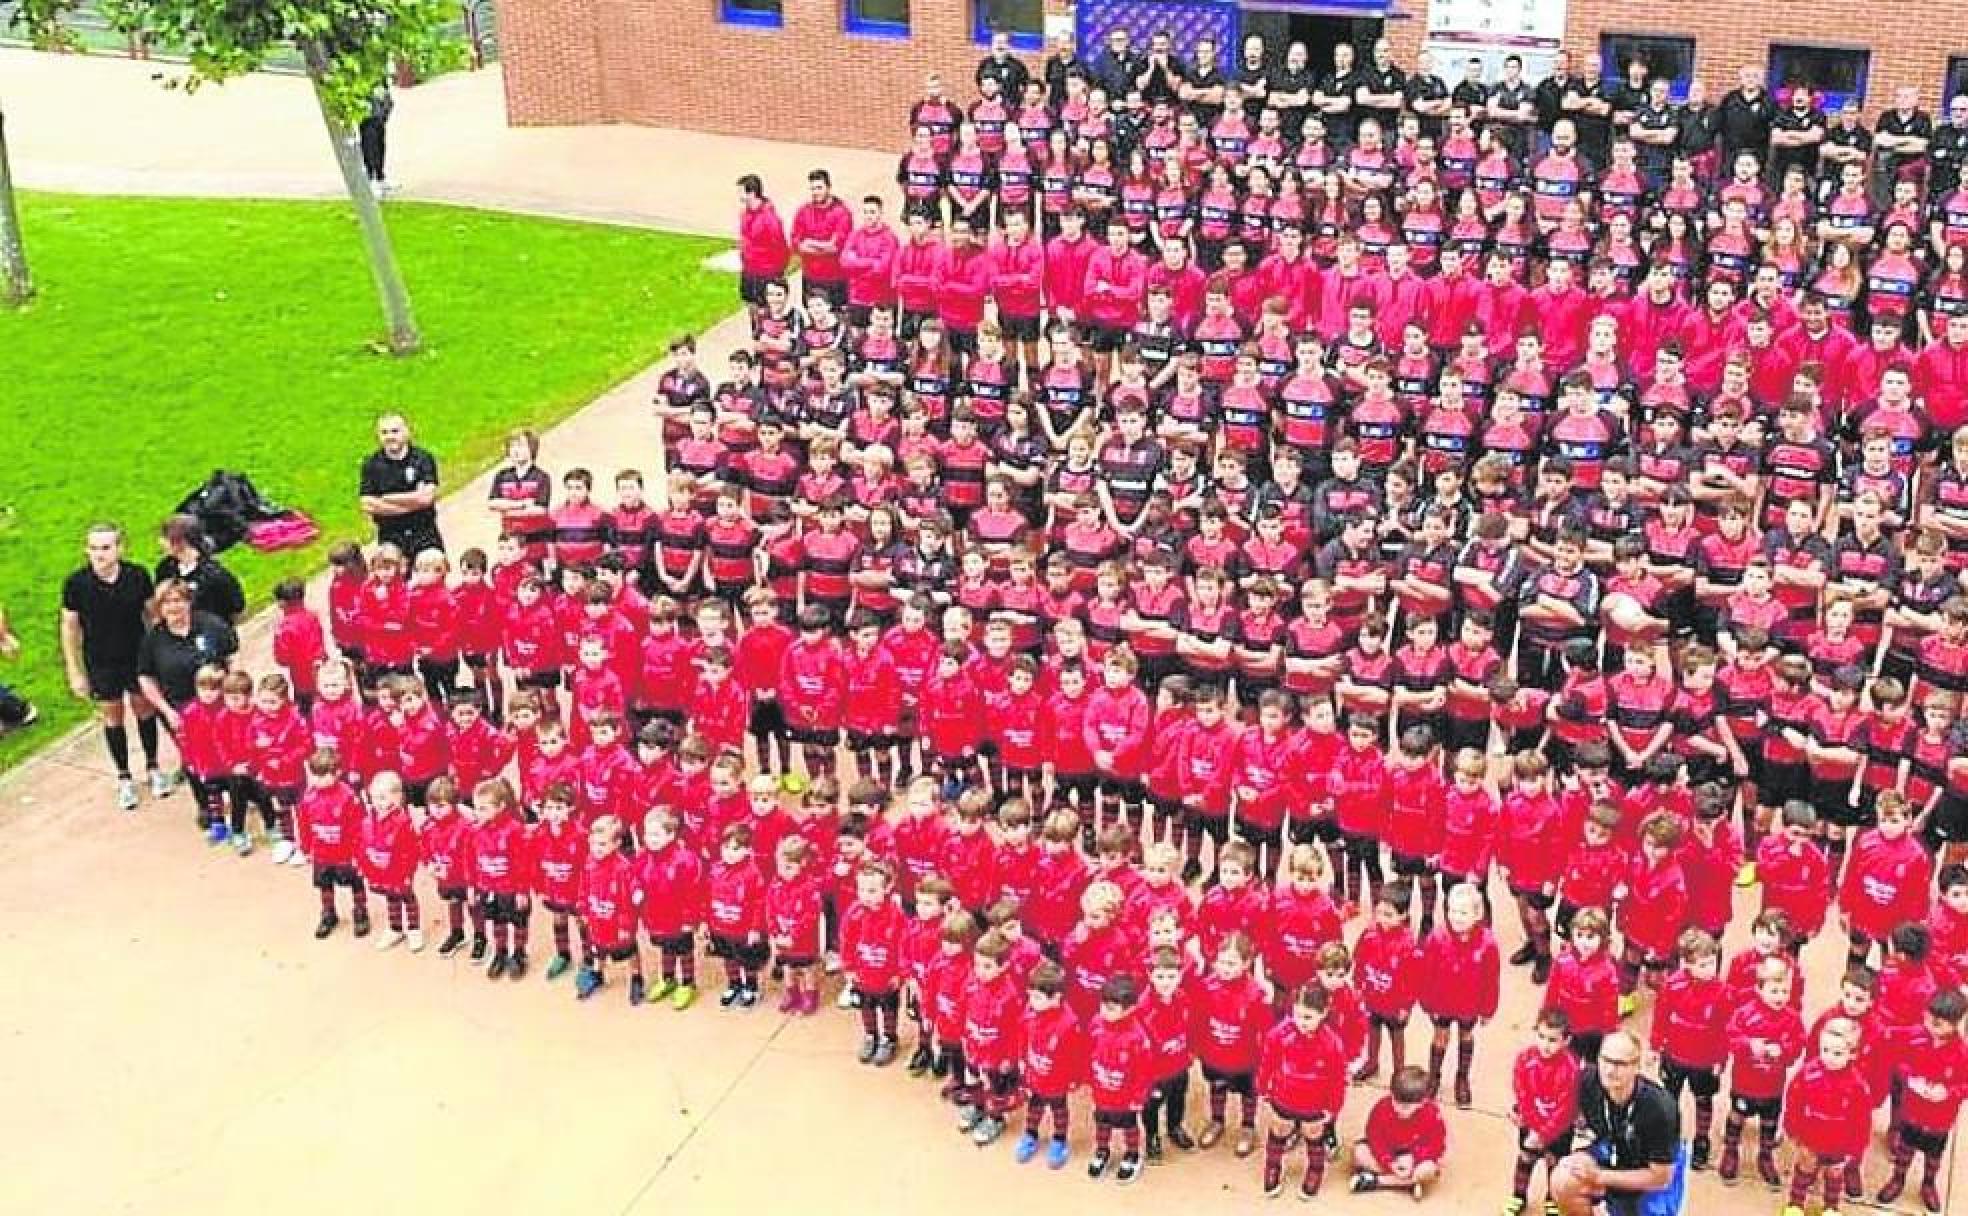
(1954, 79)
(981, 28)
(1828, 100)
(1613, 66)
(853, 21)
(729, 13)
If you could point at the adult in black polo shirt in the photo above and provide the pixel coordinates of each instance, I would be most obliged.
(1742, 121)
(1846, 142)
(1549, 94)
(1585, 102)
(1427, 96)
(1063, 62)
(1383, 87)
(1795, 133)
(1470, 91)
(399, 489)
(1656, 133)
(1900, 140)
(1203, 86)
(1333, 96)
(1116, 66)
(1291, 90)
(1629, 95)
(102, 629)
(1253, 79)
(213, 587)
(1158, 74)
(1009, 70)
(1635, 1130)
(1513, 109)
(1947, 151)
(182, 641)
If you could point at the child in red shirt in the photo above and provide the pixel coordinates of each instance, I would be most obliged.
(993, 1005)
(1585, 983)
(559, 849)
(434, 632)
(719, 708)
(669, 894)
(1406, 1138)
(812, 688)
(330, 829)
(871, 956)
(792, 918)
(1765, 1039)
(756, 663)
(298, 641)
(1235, 904)
(479, 616)
(1168, 1014)
(608, 914)
(1302, 1074)
(1931, 1077)
(383, 617)
(1530, 818)
(442, 838)
(389, 860)
(735, 902)
(477, 749)
(1796, 877)
(1119, 1060)
(1116, 732)
(1654, 909)
(501, 876)
(232, 741)
(1460, 962)
(1232, 1016)
(1690, 1032)
(1384, 957)
(950, 715)
(351, 574)
(1053, 1062)
(1543, 1102)
(197, 730)
(278, 743)
(1827, 1113)
(1359, 785)
(1886, 879)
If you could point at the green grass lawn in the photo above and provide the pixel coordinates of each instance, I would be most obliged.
(173, 337)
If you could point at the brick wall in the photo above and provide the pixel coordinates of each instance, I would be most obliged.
(674, 63)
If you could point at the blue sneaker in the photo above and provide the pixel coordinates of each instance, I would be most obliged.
(1026, 1148)
(217, 834)
(1056, 1154)
(586, 982)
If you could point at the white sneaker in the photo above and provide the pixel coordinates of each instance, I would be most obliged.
(416, 939)
(845, 1000)
(126, 794)
(242, 844)
(382, 188)
(297, 858)
(283, 852)
(833, 964)
(161, 784)
(388, 939)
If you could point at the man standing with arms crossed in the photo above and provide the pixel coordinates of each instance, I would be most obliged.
(399, 489)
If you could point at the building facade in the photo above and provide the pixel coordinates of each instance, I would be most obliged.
(842, 71)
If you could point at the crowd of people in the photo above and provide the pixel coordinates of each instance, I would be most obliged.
(1246, 549)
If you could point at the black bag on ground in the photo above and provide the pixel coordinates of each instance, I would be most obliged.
(226, 505)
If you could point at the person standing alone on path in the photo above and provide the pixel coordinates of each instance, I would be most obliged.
(373, 135)
(399, 489)
(102, 628)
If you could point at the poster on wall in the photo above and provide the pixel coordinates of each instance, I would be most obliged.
(1491, 30)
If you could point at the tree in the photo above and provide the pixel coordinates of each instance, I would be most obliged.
(16, 284)
(349, 47)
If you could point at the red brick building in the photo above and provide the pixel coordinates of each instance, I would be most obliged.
(844, 71)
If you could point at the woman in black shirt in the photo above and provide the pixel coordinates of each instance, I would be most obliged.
(182, 641)
(187, 558)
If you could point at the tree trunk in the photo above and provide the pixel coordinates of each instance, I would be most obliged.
(16, 285)
(403, 336)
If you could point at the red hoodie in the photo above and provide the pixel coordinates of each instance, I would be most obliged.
(330, 825)
(1119, 1064)
(1461, 973)
(1298, 927)
(1544, 1093)
(1232, 1017)
(1886, 884)
(762, 248)
(1017, 277)
(871, 946)
(868, 259)
(812, 683)
(1691, 1021)
(1384, 962)
(993, 1023)
(670, 887)
(1585, 990)
(1754, 1074)
(1828, 1111)
(1266, 767)
(1055, 1055)
(1117, 722)
(1300, 1073)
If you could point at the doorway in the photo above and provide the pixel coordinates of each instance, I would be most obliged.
(1319, 33)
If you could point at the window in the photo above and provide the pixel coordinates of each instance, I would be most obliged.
(1024, 20)
(751, 12)
(1956, 84)
(1837, 74)
(1664, 55)
(877, 18)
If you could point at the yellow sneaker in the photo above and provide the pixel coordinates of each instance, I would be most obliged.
(1746, 877)
(1629, 1002)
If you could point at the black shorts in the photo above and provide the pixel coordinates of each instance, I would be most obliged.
(505, 909)
(1392, 1025)
(1118, 1119)
(1465, 1025)
(1782, 781)
(869, 741)
(336, 876)
(618, 954)
(767, 718)
(112, 682)
(815, 737)
(1756, 1108)
(796, 960)
(1244, 1083)
(561, 909)
(1411, 867)
(452, 894)
(1288, 1115)
(1920, 1140)
(548, 679)
(1019, 329)
(1122, 789)
(1949, 823)
(1553, 1151)
(675, 943)
(1079, 786)
(1105, 339)
(1832, 800)
(1705, 1082)
(740, 951)
(1305, 829)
